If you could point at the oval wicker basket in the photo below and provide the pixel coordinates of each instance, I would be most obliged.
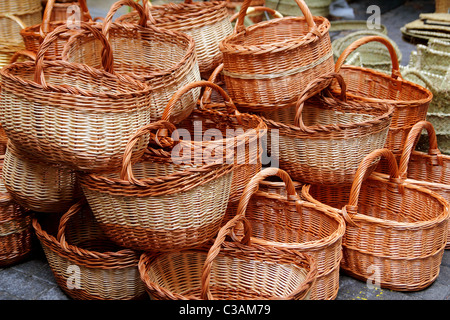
(164, 59)
(267, 65)
(36, 185)
(323, 139)
(396, 230)
(229, 271)
(411, 101)
(33, 35)
(85, 264)
(285, 221)
(156, 204)
(75, 116)
(16, 232)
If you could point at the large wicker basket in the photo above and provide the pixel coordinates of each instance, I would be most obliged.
(73, 115)
(411, 101)
(396, 230)
(285, 221)
(85, 264)
(323, 139)
(36, 185)
(267, 65)
(156, 204)
(229, 271)
(164, 59)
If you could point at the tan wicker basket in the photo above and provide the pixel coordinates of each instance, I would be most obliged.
(16, 232)
(85, 264)
(17, 15)
(411, 101)
(164, 59)
(396, 230)
(285, 221)
(229, 271)
(36, 185)
(267, 65)
(75, 116)
(323, 138)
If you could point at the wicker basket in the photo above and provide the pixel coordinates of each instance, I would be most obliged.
(164, 59)
(267, 65)
(229, 271)
(16, 232)
(157, 204)
(85, 264)
(75, 116)
(411, 101)
(323, 139)
(442, 6)
(16, 15)
(396, 231)
(35, 34)
(284, 221)
(206, 21)
(373, 56)
(36, 185)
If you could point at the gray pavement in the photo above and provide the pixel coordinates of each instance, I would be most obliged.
(33, 279)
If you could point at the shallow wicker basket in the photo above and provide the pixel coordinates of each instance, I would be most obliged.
(75, 116)
(285, 221)
(85, 264)
(229, 271)
(323, 138)
(36, 185)
(267, 65)
(410, 100)
(396, 230)
(16, 232)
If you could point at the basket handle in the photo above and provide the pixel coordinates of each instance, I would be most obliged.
(26, 53)
(126, 173)
(45, 25)
(410, 144)
(274, 13)
(143, 11)
(314, 87)
(302, 5)
(351, 208)
(107, 55)
(352, 47)
(231, 107)
(215, 249)
(16, 19)
(73, 210)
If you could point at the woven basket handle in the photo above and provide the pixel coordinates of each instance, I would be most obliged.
(107, 56)
(313, 88)
(127, 170)
(25, 53)
(73, 210)
(302, 5)
(143, 12)
(16, 19)
(274, 13)
(352, 47)
(215, 250)
(411, 142)
(231, 108)
(351, 208)
(45, 25)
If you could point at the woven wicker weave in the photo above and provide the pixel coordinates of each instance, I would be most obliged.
(36, 185)
(442, 6)
(34, 34)
(157, 204)
(16, 15)
(85, 264)
(164, 59)
(323, 139)
(229, 271)
(411, 101)
(284, 221)
(73, 115)
(206, 21)
(396, 231)
(16, 232)
(268, 64)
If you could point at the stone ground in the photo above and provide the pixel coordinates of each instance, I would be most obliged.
(33, 279)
